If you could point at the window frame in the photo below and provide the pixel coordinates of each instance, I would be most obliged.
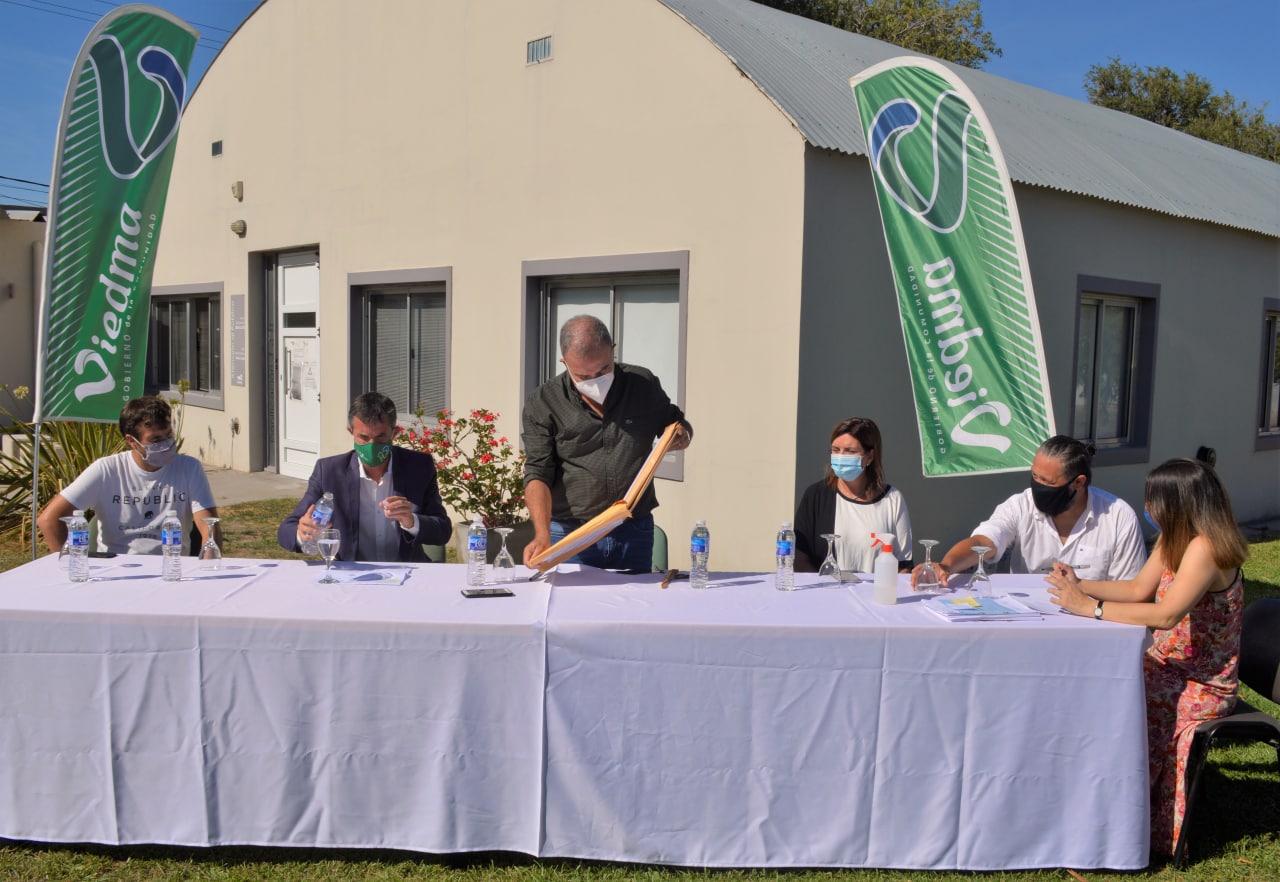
(432, 280)
(213, 399)
(535, 274)
(1265, 438)
(1145, 297)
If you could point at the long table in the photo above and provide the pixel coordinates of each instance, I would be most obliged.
(596, 715)
(254, 706)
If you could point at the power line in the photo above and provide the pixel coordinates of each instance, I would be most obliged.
(23, 181)
(40, 194)
(19, 198)
(86, 15)
(192, 20)
(48, 11)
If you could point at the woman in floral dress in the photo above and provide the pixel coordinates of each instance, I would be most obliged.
(1190, 592)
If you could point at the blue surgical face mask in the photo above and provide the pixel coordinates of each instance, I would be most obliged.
(847, 467)
(1150, 520)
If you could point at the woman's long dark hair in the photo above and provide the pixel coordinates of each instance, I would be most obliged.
(1187, 499)
(868, 435)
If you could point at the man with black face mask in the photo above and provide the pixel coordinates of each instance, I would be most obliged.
(1060, 517)
(130, 492)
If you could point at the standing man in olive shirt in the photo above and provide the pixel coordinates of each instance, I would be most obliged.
(586, 432)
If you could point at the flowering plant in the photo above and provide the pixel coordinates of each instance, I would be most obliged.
(477, 473)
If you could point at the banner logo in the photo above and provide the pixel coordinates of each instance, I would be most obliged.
(894, 124)
(960, 269)
(120, 147)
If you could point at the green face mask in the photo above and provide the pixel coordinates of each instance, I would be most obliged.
(375, 453)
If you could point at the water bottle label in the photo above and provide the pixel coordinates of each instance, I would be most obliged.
(698, 546)
(170, 537)
(321, 517)
(79, 538)
(477, 543)
(785, 549)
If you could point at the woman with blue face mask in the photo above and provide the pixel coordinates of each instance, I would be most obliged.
(853, 500)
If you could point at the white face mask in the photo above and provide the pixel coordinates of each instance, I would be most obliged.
(597, 389)
(159, 454)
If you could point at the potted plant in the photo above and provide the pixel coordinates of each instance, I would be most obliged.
(478, 473)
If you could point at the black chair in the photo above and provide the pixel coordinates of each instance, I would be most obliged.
(1260, 671)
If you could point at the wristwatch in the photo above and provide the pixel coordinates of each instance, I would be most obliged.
(1097, 611)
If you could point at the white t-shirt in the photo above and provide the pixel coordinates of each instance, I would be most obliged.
(129, 502)
(1105, 542)
(856, 521)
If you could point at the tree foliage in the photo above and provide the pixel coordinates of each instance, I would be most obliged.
(947, 29)
(1186, 103)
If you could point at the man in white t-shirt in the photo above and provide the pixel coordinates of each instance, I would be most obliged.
(1060, 517)
(130, 492)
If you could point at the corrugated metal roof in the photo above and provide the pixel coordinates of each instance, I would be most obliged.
(1049, 140)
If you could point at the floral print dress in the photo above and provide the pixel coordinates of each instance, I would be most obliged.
(1190, 674)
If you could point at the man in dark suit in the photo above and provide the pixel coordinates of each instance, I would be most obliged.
(385, 499)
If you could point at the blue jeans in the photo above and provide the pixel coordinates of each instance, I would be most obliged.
(628, 547)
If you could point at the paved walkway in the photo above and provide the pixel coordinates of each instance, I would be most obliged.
(232, 488)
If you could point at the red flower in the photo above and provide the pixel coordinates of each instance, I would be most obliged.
(476, 474)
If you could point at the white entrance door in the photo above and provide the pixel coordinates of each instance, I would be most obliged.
(298, 389)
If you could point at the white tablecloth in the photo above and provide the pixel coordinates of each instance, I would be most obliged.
(254, 706)
(743, 726)
(598, 717)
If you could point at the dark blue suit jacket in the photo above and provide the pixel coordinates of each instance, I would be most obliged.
(413, 476)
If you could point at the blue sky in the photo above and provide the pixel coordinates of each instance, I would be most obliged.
(1046, 43)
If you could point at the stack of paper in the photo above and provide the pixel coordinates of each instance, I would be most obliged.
(980, 609)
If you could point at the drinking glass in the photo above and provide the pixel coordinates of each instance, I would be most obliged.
(329, 540)
(64, 553)
(504, 565)
(210, 553)
(830, 568)
(928, 581)
(980, 581)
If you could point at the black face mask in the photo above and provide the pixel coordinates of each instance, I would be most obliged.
(1052, 500)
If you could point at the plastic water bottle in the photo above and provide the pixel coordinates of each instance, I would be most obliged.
(786, 550)
(699, 554)
(78, 547)
(322, 514)
(171, 546)
(886, 570)
(477, 546)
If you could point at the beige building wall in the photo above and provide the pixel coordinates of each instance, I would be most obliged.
(412, 134)
(21, 253)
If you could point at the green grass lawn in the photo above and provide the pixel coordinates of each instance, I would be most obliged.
(1236, 834)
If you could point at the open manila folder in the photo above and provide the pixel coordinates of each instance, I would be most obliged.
(602, 524)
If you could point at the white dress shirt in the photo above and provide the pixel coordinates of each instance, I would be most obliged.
(378, 539)
(1105, 542)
